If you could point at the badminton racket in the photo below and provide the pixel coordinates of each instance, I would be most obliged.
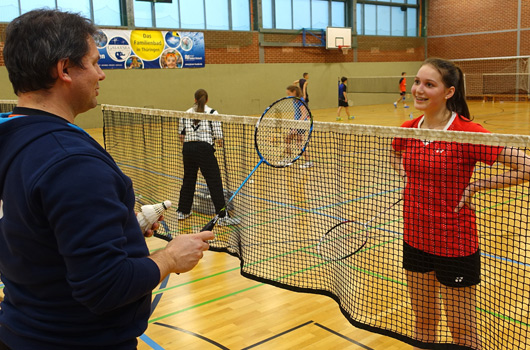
(281, 136)
(273, 139)
(348, 237)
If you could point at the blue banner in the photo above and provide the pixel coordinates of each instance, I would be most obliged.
(144, 49)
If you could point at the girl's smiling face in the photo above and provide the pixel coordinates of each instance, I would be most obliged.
(429, 91)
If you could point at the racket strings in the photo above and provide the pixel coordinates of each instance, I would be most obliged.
(283, 132)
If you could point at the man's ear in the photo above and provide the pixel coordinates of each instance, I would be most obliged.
(62, 70)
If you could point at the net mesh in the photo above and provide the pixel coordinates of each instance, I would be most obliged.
(7, 105)
(502, 76)
(375, 84)
(284, 212)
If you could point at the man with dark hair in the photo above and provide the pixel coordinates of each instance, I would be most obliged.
(74, 262)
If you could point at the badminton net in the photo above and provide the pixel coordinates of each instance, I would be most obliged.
(7, 105)
(283, 213)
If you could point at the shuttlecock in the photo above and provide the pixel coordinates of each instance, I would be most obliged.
(150, 213)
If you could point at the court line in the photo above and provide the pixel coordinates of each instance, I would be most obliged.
(158, 296)
(205, 303)
(278, 335)
(150, 342)
(344, 337)
(208, 340)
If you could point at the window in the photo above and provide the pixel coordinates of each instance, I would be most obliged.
(167, 15)
(143, 14)
(101, 12)
(338, 14)
(240, 14)
(298, 14)
(9, 9)
(283, 14)
(106, 12)
(301, 13)
(390, 18)
(194, 14)
(373, 17)
(80, 6)
(319, 14)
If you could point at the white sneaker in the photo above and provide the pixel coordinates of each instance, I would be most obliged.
(227, 220)
(306, 165)
(182, 216)
(395, 104)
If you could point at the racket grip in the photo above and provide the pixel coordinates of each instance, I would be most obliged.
(209, 226)
(164, 237)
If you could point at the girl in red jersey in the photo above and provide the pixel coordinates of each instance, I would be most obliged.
(441, 255)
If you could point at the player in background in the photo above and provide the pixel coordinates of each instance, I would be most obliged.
(303, 87)
(295, 135)
(343, 99)
(402, 90)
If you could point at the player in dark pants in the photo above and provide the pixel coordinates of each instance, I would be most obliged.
(200, 155)
(198, 151)
(343, 98)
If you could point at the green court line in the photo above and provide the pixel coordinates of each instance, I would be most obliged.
(501, 316)
(159, 291)
(205, 303)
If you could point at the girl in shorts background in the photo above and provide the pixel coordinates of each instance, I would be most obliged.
(441, 252)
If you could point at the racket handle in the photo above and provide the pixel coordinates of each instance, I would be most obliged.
(209, 226)
(164, 237)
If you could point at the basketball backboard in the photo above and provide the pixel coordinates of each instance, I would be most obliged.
(338, 36)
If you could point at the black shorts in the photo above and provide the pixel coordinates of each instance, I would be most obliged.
(343, 103)
(403, 93)
(450, 271)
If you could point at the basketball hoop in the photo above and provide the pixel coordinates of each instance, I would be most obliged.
(344, 49)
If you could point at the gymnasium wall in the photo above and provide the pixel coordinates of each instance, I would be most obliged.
(243, 89)
(471, 29)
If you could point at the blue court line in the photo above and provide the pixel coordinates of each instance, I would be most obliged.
(150, 342)
(505, 259)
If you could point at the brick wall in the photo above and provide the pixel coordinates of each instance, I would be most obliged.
(222, 47)
(462, 29)
(2, 36)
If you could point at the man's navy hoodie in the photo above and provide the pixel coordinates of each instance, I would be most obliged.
(72, 257)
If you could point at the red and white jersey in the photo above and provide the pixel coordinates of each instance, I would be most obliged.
(437, 174)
